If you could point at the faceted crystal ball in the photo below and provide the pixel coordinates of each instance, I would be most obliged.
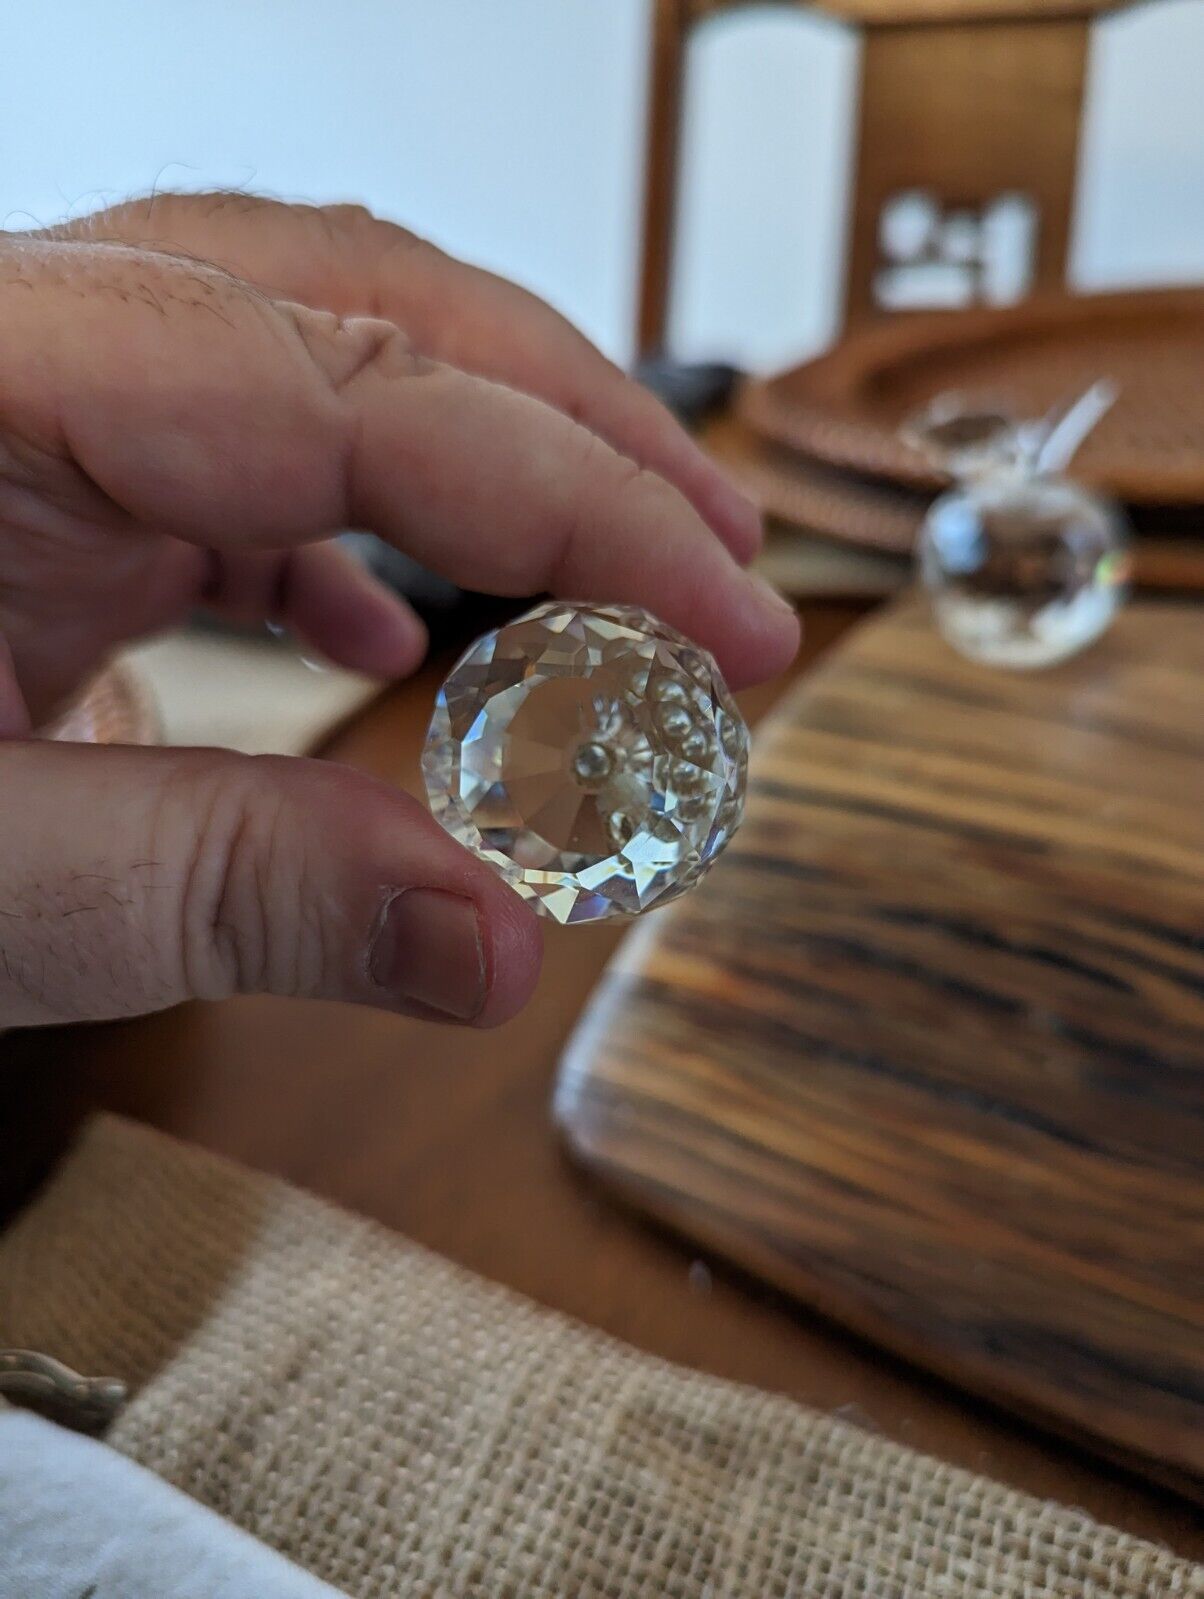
(590, 754)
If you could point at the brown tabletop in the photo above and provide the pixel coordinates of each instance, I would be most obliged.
(446, 1135)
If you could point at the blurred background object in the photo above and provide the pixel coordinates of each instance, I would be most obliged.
(963, 185)
(963, 167)
(438, 116)
(1023, 567)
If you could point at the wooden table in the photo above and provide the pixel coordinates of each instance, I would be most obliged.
(928, 1051)
(446, 1136)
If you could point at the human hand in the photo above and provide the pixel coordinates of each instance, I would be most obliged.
(195, 392)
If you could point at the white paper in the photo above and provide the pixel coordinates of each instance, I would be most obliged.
(80, 1521)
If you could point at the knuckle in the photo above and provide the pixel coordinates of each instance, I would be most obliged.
(247, 921)
(630, 479)
(345, 349)
(393, 241)
(606, 488)
(599, 466)
(375, 243)
(638, 488)
(348, 217)
(615, 497)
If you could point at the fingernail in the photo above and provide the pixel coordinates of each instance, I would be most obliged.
(768, 596)
(430, 949)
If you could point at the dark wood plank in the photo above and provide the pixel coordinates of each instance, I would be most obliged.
(919, 13)
(968, 112)
(668, 25)
(446, 1136)
(928, 1048)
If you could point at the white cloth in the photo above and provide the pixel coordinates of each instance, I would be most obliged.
(77, 1518)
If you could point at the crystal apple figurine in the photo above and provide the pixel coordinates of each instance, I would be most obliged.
(1024, 567)
(592, 755)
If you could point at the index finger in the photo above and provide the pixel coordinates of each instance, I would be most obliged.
(204, 410)
(547, 505)
(343, 259)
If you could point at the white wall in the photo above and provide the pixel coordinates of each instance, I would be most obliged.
(510, 131)
(1141, 182)
(504, 128)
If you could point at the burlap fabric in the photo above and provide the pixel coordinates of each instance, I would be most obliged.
(404, 1429)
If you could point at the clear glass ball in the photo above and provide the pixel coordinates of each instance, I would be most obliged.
(592, 756)
(1023, 570)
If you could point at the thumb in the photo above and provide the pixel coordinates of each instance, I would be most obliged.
(132, 879)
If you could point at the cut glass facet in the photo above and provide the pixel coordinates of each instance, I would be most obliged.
(592, 755)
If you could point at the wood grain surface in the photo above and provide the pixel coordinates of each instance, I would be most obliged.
(911, 13)
(668, 24)
(927, 1047)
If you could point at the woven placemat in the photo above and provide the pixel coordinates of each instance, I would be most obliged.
(809, 499)
(846, 407)
(804, 493)
(402, 1428)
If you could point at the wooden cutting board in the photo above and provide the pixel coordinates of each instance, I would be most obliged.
(927, 1047)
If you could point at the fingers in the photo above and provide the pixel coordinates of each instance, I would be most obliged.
(334, 603)
(135, 879)
(342, 259)
(329, 600)
(171, 396)
(547, 505)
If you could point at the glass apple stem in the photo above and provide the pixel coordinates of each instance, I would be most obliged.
(1065, 433)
